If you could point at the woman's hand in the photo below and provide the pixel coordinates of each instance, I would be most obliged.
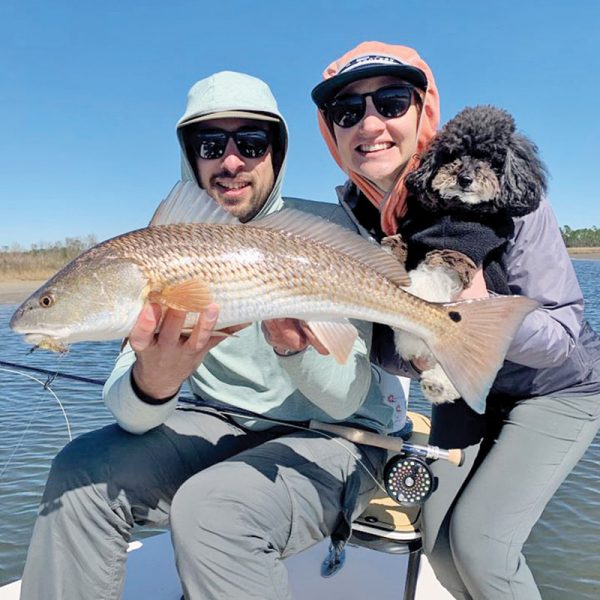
(164, 360)
(290, 336)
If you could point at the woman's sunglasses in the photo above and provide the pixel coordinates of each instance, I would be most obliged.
(390, 102)
(210, 144)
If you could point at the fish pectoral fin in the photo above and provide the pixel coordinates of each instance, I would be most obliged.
(337, 336)
(191, 296)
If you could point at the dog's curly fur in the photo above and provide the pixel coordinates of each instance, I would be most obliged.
(480, 172)
(479, 150)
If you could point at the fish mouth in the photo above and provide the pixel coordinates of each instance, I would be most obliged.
(51, 340)
(35, 338)
(45, 342)
(30, 330)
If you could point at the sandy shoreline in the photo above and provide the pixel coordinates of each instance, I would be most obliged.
(585, 253)
(14, 291)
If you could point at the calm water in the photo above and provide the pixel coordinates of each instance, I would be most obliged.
(562, 551)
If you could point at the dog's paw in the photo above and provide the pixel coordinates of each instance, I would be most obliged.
(409, 345)
(436, 386)
(459, 268)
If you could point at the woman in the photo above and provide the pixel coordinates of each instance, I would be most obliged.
(378, 110)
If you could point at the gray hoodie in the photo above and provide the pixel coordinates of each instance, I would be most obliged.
(243, 371)
(234, 94)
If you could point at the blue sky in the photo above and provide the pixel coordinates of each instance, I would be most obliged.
(90, 93)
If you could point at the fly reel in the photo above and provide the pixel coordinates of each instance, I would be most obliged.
(408, 480)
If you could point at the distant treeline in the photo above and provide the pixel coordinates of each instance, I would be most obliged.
(41, 260)
(581, 238)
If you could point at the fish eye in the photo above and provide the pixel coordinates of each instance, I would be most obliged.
(47, 300)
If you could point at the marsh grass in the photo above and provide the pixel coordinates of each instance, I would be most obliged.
(586, 250)
(41, 262)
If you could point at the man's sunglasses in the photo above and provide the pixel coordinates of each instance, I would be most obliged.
(209, 144)
(391, 102)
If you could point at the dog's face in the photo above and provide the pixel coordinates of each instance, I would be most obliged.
(467, 180)
(478, 165)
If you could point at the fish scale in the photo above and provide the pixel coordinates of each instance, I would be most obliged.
(312, 275)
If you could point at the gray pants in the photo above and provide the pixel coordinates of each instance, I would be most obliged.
(237, 503)
(476, 523)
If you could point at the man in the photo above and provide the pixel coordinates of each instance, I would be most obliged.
(240, 491)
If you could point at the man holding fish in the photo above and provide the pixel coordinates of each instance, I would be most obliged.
(239, 492)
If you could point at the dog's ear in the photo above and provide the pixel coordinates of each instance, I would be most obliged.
(418, 181)
(524, 180)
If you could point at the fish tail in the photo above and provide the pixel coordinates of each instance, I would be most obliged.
(472, 355)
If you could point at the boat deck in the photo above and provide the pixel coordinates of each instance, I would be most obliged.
(151, 574)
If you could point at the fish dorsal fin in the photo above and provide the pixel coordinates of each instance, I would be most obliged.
(337, 336)
(314, 228)
(188, 203)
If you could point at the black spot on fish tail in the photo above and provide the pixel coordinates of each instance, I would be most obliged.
(455, 316)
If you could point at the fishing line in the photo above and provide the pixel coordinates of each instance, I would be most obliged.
(183, 400)
(53, 373)
(46, 386)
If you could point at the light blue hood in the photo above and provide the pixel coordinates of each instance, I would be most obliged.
(230, 94)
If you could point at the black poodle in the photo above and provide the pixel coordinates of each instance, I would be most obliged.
(476, 176)
(479, 165)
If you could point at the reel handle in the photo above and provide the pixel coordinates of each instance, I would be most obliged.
(454, 456)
